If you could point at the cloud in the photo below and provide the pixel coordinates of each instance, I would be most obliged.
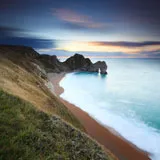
(124, 47)
(106, 49)
(6, 31)
(32, 42)
(128, 44)
(153, 54)
(76, 21)
(53, 51)
(17, 36)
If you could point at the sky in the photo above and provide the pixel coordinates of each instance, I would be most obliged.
(103, 28)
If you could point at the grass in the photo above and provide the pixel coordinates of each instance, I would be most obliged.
(16, 80)
(34, 124)
(27, 133)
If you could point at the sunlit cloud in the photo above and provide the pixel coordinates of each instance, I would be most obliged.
(124, 47)
(72, 17)
(128, 44)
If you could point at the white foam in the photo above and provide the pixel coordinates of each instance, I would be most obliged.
(132, 129)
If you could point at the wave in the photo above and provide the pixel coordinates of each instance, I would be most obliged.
(131, 128)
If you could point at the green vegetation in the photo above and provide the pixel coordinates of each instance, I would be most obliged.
(26, 84)
(34, 123)
(29, 134)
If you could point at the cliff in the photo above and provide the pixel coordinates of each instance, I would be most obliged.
(51, 63)
(76, 62)
(79, 62)
(34, 123)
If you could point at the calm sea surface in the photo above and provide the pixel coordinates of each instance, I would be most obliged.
(127, 99)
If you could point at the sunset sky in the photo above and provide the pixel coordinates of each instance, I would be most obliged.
(104, 28)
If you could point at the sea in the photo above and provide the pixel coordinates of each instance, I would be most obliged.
(127, 99)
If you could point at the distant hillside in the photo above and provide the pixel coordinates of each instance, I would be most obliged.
(34, 123)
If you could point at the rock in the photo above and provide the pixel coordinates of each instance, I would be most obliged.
(50, 63)
(39, 71)
(78, 62)
(43, 64)
(27, 52)
(100, 65)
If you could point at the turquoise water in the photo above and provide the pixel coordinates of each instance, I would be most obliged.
(127, 99)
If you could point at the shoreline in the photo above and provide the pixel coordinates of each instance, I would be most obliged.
(121, 148)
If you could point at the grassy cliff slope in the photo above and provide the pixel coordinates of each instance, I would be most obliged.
(34, 124)
(27, 133)
(19, 76)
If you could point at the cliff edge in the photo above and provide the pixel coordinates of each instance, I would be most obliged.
(50, 63)
(35, 124)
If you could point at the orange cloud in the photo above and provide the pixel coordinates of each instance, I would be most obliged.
(79, 19)
(76, 46)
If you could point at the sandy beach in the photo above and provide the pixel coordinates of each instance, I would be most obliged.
(120, 147)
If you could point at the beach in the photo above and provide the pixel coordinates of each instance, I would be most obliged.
(120, 147)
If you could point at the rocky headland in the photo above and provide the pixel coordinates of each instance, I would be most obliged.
(79, 62)
(50, 63)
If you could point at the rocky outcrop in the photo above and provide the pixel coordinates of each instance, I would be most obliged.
(26, 55)
(76, 62)
(18, 51)
(79, 62)
(50, 63)
(99, 66)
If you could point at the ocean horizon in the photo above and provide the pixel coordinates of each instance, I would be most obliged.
(127, 99)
